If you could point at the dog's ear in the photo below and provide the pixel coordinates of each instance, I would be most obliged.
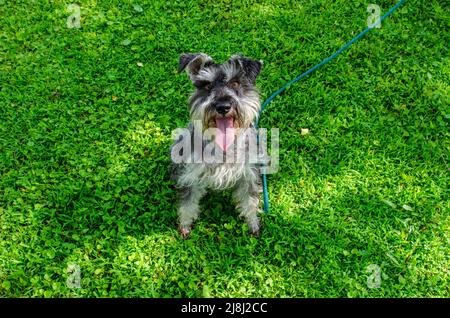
(193, 62)
(251, 67)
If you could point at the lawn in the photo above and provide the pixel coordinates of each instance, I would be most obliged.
(359, 207)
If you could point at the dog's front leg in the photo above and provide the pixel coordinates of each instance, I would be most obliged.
(189, 207)
(247, 203)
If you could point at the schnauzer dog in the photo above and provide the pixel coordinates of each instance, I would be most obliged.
(225, 100)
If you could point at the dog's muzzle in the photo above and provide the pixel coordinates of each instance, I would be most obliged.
(224, 123)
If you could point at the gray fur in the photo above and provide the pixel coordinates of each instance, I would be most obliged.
(215, 83)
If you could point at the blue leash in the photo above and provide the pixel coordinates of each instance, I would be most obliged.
(278, 92)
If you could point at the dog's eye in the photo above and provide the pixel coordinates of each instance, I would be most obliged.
(234, 85)
(203, 85)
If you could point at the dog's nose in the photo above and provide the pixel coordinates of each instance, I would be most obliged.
(223, 107)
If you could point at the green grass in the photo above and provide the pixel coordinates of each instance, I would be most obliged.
(85, 133)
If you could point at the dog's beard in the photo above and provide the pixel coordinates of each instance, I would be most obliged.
(226, 128)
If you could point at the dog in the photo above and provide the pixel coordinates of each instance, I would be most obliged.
(226, 101)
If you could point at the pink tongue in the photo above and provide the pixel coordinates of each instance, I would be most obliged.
(225, 132)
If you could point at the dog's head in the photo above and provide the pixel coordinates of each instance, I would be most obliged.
(225, 95)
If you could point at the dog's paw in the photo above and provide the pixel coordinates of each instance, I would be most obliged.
(185, 231)
(254, 226)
